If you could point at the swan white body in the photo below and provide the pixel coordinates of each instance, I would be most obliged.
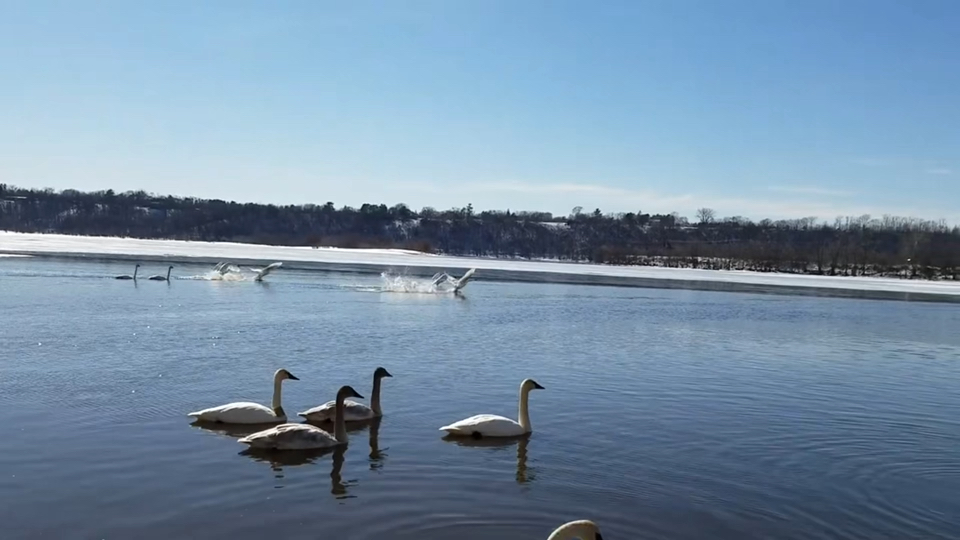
(492, 425)
(162, 278)
(245, 412)
(464, 279)
(262, 272)
(455, 283)
(304, 436)
(128, 276)
(583, 529)
(352, 411)
(291, 437)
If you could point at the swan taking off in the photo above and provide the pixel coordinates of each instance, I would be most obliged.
(457, 284)
(245, 412)
(492, 425)
(304, 436)
(223, 268)
(162, 278)
(128, 276)
(262, 272)
(583, 529)
(352, 410)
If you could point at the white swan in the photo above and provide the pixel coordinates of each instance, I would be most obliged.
(464, 279)
(245, 412)
(455, 283)
(262, 272)
(304, 436)
(128, 276)
(583, 529)
(352, 410)
(162, 278)
(492, 425)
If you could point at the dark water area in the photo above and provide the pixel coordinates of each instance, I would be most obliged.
(667, 414)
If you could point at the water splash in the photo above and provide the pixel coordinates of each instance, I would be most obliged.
(406, 284)
(231, 273)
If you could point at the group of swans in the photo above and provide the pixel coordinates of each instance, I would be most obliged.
(290, 436)
(151, 278)
(306, 436)
(224, 268)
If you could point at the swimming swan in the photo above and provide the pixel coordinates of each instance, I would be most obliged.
(304, 436)
(128, 276)
(583, 529)
(492, 425)
(162, 278)
(262, 272)
(353, 411)
(245, 412)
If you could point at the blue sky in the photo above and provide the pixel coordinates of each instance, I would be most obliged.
(763, 109)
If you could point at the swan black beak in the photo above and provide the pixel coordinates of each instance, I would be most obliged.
(598, 536)
(358, 396)
(292, 377)
(537, 386)
(387, 373)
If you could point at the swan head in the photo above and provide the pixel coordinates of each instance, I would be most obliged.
(282, 374)
(530, 384)
(584, 529)
(381, 373)
(348, 391)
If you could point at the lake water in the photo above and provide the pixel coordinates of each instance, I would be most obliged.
(667, 414)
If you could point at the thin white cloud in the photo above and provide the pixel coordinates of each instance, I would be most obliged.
(941, 171)
(811, 190)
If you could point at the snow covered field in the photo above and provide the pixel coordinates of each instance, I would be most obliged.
(412, 262)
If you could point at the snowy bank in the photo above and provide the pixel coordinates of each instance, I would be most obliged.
(378, 260)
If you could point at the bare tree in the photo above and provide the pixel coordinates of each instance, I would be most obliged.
(706, 215)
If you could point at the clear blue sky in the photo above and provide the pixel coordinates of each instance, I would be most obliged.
(764, 108)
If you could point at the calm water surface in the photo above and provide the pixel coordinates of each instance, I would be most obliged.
(667, 414)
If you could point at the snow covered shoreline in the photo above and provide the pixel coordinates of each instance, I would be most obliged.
(412, 262)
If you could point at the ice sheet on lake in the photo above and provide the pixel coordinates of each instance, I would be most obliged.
(376, 260)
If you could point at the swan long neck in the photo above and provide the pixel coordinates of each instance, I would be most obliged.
(169, 268)
(339, 424)
(375, 396)
(135, 269)
(277, 391)
(524, 415)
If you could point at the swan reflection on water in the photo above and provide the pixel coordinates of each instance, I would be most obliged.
(524, 475)
(280, 459)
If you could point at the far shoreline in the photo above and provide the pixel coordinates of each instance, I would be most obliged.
(407, 262)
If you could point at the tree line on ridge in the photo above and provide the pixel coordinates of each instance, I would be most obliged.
(845, 246)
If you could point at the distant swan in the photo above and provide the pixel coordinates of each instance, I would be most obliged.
(583, 529)
(128, 276)
(352, 410)
(492, 425)
(262, 272)
(304, 436)
(457, 284)
(245, 412)
(162, 278)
